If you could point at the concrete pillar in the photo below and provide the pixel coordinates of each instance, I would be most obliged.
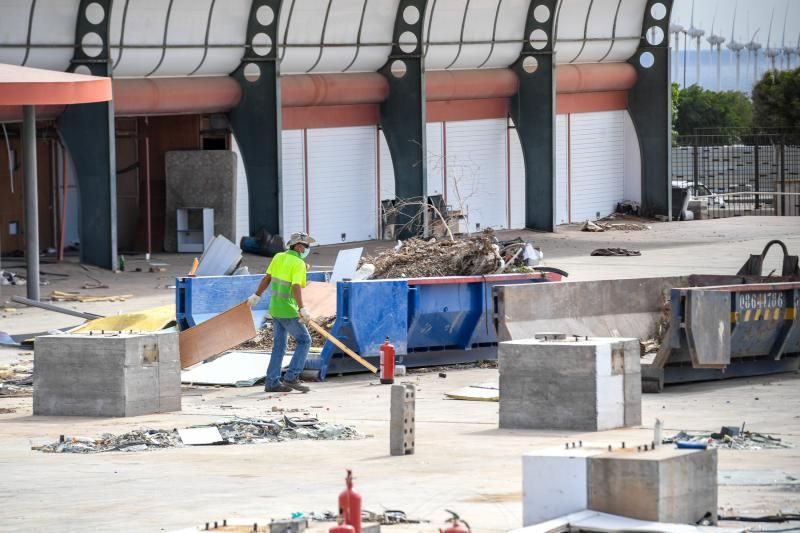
(401, 425)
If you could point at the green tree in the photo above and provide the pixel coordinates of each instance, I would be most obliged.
(699, 108)
(776, 100)
(676, 99)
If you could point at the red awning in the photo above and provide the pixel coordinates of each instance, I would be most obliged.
(32, 86)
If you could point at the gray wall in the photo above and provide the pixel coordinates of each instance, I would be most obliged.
(203, 178)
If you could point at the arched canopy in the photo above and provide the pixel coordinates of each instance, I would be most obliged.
(175, 38)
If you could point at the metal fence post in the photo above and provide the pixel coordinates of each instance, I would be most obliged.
(695, 161)
(756, 173)
(783, 174)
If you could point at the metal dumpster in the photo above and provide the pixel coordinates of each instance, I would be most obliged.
(728, 331)
(430, 321)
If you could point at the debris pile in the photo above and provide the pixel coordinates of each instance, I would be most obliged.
(615, 252)
(62, 296)
(235, 431)
(730, 437)
(10, 278)
(597, 227)
(263, 341)
(16, 379)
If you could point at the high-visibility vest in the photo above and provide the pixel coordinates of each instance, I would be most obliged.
(287, 269)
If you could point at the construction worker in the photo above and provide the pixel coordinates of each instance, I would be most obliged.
(287, 275)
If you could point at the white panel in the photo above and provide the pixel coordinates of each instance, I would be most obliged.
(629, 28)
(342, 28)
(228, 26)
(517, 181)
(510, 26)
(187, 25)
(293, 193)
(444, 26)
(53, 24)
(435, 163)
(378, 28)
(305, 27)
(478, 26)
(601, 26)
(144, 25)
(387, 170)
(633, 162)
(598, 163)
(477, 174)
(342, 184)
(242, 198)
(433, 136)
(562, 170)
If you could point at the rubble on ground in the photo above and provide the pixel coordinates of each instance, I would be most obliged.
(16, 379)
(234, 431)
(263, 341)
(597, 227)
(731, 438)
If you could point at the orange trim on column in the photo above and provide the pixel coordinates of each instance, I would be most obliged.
(333, 89)
(595, 77)
(332, 116)
(470, 84)
(456, 110)
(591, 102)
(175, 96)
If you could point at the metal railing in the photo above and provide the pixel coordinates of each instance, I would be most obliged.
(737, 173)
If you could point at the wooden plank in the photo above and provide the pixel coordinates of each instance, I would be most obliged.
(216, 335)
(322, 331)
(320, 299)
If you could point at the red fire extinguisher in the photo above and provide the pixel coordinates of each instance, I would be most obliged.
(387, 363)
(350, 504)
(342, 528)
(455, 524)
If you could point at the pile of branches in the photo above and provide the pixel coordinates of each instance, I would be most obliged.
(476, 255)
(263, 341)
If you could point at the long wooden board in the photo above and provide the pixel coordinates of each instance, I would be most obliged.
(216, 335)
(322, 331)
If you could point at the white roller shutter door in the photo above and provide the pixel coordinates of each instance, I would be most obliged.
(293, 194)
(477, 174)
(517, 181)
(435, 163)
(598, 163)
(342, 184)
(562, 170)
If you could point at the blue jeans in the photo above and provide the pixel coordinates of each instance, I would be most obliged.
(280, 328)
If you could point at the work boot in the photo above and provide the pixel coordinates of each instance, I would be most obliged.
(280, 387)
(298, 386)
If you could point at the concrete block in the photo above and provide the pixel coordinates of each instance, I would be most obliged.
(569, 384)
(106, 375)
(402, 432)
(664, 485)
(554, 483)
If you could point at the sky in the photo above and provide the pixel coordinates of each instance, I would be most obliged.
(751, 13)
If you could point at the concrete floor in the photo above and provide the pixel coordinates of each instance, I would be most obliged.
(462, 462)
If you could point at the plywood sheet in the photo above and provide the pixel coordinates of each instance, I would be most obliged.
(483, 392)
(320, 299)
(216, 335)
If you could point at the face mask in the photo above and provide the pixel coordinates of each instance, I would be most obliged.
(305, 253)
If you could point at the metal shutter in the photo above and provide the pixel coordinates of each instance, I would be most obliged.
(598, 163)
(342, 184)
(477, 175)
(562, 170)
(293, 194)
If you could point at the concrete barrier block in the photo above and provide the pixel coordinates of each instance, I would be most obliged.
(106, 375)
(664, 485)
(555, 483)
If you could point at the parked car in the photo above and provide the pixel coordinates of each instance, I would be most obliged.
(684, 192)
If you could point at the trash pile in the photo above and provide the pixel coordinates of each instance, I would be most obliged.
(476, 255)
(731, 437)
(263, 341)
(16, 379)
(234, 431)
(10, 278)
(597, 227)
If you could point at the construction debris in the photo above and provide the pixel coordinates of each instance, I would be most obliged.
(216, 335)
(54, 308)
(731, 438)
(234, 431)
(221, 258)
(10, 278)
(482, 392)
(416, 258)
(153, 319)
(62, 296)
(597, 227)
(615, 252)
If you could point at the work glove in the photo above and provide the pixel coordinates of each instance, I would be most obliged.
(305, 316)
(253, 299)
